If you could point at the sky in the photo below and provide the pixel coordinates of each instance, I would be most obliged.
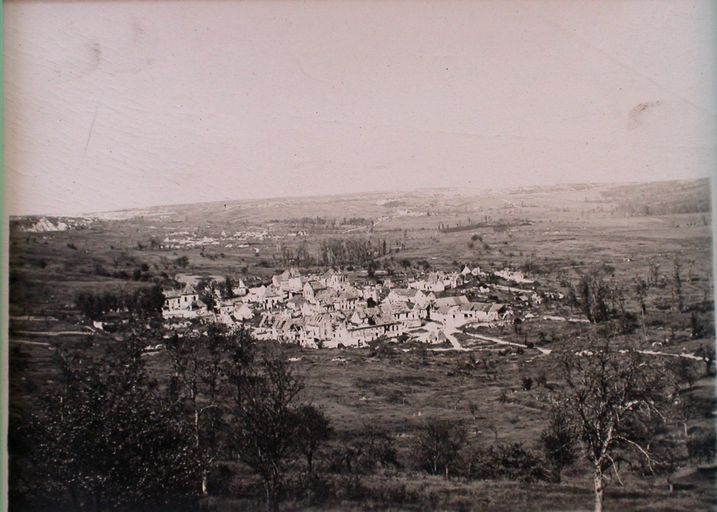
(112, 104)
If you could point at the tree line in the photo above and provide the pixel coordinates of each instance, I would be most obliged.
(142, 302)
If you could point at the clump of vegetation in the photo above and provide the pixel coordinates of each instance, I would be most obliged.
(438, 447)
(510, 461)
(141, 302)
(103, 440)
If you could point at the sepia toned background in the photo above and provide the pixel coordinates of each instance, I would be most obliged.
(126, 104)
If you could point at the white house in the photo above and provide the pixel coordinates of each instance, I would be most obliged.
(405, 295)
(333, 279)
(176, 299)
(183, 304)
(311, 288)
(240, 289)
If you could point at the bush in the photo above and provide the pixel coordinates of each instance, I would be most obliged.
(508, 461)
(559, 444)
(701, 445)
(372, 449)
(527, 383)
(99, 270)
(437, 447)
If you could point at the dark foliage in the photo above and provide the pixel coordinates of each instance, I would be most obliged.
(559, 444)
(102, 441)
(142, 302)
(508, 461)
(438, 447)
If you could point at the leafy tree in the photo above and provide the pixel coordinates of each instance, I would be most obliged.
(697, 328)
(559, 444)
(103, 440)
(626, 320)
(615, 403)
(144, 302)
(526, 382)
(313, 428)
(438, 446)
(641, 287)
(371, 268)
(182, 261)
(205, 289)
(228, 288)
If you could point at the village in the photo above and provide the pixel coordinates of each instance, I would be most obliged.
(337, 309)
(387, 332)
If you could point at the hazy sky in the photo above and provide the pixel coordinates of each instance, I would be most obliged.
(117, 104)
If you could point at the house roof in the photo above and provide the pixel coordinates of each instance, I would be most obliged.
(316, 285)
(320, 318)
(394, 309)
(442, 310)
(297, 300)
(325, 295)
(270, 291)
(198, 304)
(452, 301)
(405, 292)
(348, 295)
(484, 307)
(368, 327)
(173, 294)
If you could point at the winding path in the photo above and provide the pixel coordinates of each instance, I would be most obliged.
(499, 341)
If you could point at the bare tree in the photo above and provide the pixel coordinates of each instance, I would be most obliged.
(641, 287)
(614, 403)
(265, 422)
(198, 389)
(592, 295)
(677, 283)
(654, 276)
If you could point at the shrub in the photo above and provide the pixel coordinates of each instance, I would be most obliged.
(559, 444)
(701, 445)
(370, 450)
(438, 447)
(527, 383)
(508, 461)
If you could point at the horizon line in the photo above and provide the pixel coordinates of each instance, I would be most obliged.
(362, 192)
